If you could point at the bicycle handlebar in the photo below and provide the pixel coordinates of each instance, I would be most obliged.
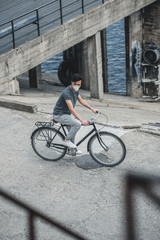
(94, 119)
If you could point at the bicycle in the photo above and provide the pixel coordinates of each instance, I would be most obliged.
(104, 147)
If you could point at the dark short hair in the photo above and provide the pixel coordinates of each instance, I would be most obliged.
(76, 77)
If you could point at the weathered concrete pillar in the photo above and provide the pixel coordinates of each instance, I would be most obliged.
(151, 48)
(134, 41)
(10, 87)
(83, 65)
(81, 58)
(35, 76)
(14, 86)
(95, 66)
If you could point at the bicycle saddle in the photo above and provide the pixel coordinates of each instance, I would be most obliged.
(54, 121)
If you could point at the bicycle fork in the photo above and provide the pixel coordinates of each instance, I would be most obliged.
(103, 145)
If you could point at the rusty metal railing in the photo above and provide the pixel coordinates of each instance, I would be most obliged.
(134, 182)
(145, 184)
(34, 214)
(34, 23)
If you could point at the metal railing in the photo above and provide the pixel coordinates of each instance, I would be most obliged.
(134, 181)
(36, 22)
(145, 184)
(34, 214)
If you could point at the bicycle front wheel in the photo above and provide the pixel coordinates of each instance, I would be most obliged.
(107, 149)
(47, 143)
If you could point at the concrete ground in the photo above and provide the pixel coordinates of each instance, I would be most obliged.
(91, 202)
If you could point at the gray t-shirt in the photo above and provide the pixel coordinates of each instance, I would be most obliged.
(61, 105)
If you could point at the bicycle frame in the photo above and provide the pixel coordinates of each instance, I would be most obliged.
(60, 146)
(53, 136)
(85, 137)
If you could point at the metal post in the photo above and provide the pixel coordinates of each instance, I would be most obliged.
(104, 60)
(13, 36)
(130, 220)
(38, 28)
(61, 13)
(31, 226)
(82, 6)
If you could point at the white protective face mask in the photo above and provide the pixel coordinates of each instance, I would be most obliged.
(76, 88)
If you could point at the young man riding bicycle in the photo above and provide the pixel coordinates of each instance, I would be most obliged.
(65, 113)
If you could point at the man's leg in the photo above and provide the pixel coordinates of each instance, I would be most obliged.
(73, 124)
(68, 128)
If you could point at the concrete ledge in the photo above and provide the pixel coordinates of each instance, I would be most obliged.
(18, 106)
(151, 128)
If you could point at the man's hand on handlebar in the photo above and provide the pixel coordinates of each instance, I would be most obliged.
(85, 123)
(94, 110)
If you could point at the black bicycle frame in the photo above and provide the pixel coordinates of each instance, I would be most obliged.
(84, 138)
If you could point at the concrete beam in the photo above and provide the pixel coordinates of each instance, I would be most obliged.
(33, 53)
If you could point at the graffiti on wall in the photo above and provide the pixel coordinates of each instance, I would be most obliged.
(146, 68)
(137, 60)
(151, 70)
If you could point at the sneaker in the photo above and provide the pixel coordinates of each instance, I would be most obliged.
(78, 152)
(69, 144)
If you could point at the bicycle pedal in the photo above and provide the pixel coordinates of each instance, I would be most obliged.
(71, 151)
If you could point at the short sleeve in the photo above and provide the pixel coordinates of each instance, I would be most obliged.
(67, 96)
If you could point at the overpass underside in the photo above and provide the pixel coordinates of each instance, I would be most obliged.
(142, 23)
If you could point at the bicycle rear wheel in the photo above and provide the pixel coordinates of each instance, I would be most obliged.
(47, 143)
(107, 149)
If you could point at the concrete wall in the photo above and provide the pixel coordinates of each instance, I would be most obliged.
(135, 40)
(42, 48)
(142, 28)
(151, 34)
(151, 26)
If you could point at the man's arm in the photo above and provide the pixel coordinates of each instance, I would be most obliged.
(84, 103)
(70, 106)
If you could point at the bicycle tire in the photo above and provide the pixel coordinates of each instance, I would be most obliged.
(65, 71)
(107, 149)
(44, 147)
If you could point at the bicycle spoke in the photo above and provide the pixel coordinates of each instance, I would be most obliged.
(107, 149)
(47, 143)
